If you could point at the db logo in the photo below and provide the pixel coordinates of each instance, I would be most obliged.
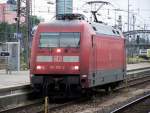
(58, 59)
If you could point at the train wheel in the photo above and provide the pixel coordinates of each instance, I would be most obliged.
(108, 89)
(113, 86)
(87, 93)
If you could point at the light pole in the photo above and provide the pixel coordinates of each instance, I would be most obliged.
(128, 17)
(128, 31)
(18, 18)
(50, 3)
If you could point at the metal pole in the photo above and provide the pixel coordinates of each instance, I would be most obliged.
(115, 17)
(128, 16)
(19, 55)
(134, 47)
(46, 105)
(28, 30)
(18, 18)
(128, 31)
(134, 22)
(5, 23)
(45, 91)
(18, 31)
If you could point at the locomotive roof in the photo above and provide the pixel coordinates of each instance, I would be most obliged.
(99, 28)
(63, 23)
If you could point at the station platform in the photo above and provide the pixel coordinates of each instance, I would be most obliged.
(21, 78)
(15, 79)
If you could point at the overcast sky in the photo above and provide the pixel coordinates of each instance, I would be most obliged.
(140, 8)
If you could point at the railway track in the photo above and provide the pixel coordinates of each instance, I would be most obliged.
(40, 108)
(60, 106)
(132, 80)
(130, 104)
(22, 107)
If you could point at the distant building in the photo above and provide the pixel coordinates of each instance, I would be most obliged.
(8, 13)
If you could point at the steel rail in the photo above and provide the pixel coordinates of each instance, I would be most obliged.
(65, 104)
(132, 83)
(22, 88)
(40, 103)
(120, 109)
(137, 78)
(24, 106)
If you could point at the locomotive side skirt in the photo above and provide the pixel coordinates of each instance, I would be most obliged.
(101, 77)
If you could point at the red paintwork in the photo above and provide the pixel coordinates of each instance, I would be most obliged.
(56, 67)
(71, 51)
(108, 52)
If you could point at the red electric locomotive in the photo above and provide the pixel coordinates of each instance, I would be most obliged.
(72, 55)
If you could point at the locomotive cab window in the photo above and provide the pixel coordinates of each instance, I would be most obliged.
(60, 39)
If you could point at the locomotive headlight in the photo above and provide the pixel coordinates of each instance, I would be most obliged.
(58, 50)
(38, 67)
(76, 68)
(84, 76)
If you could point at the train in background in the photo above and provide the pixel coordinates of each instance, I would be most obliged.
(73, 56)
(144, 53)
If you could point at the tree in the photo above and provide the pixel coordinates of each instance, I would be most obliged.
(7, 31)
(34, 20)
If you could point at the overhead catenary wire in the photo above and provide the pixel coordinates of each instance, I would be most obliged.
(80, 8)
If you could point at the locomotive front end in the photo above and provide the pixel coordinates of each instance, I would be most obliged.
(55, 59)
(58, 53)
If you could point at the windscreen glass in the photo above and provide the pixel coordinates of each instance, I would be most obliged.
(59, 39)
